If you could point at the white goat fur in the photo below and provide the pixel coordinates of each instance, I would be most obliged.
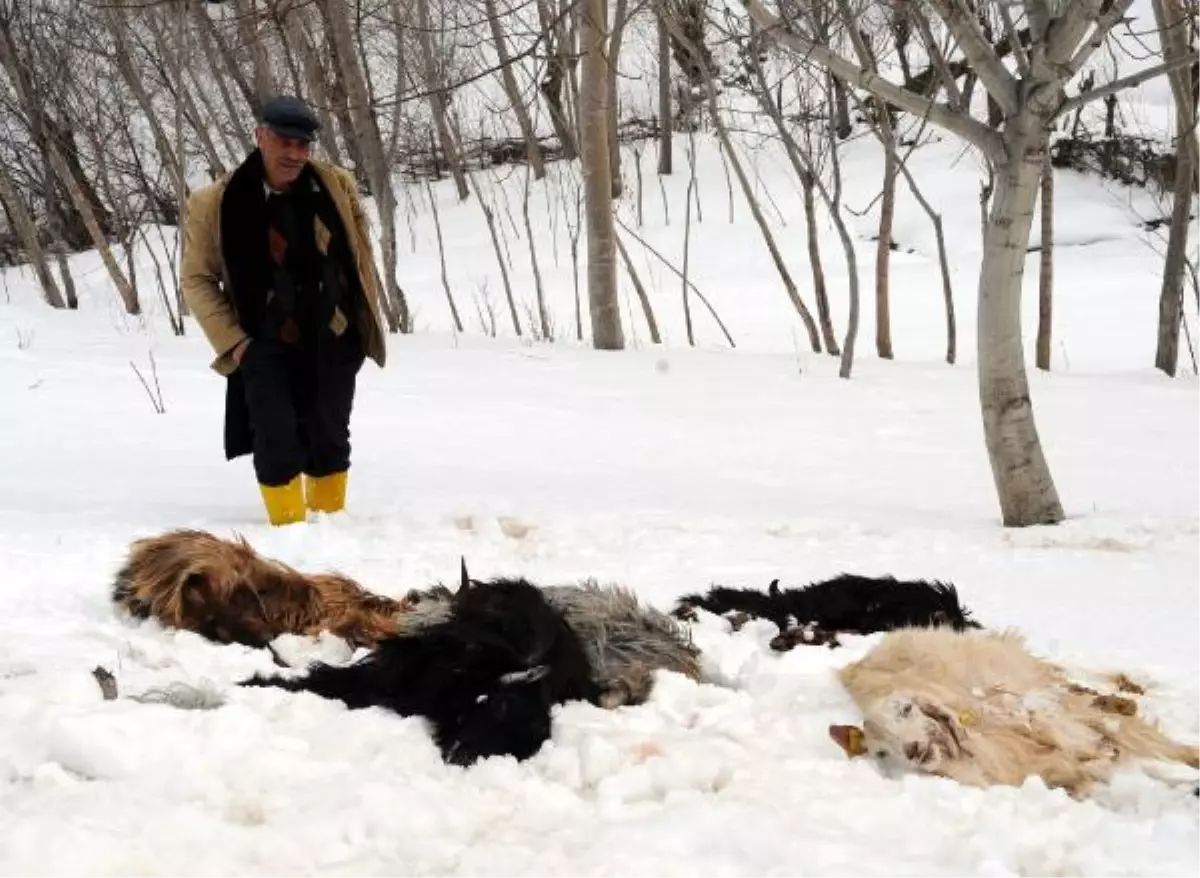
(979, 708)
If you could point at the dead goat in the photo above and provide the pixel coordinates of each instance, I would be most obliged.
(227, 592)
(981, 709)
(848, 603)
(626, 640)
(486, 675)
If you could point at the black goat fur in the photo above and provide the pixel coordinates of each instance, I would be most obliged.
(486, 677)
(846, 603)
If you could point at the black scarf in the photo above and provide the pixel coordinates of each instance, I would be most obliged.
(327, 278)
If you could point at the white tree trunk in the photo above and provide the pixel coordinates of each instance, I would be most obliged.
(1023, 482)
(607, 333)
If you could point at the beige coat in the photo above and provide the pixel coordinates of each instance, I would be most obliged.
(205, 280)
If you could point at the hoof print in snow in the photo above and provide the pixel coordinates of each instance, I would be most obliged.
(514, 528)
(465, 522)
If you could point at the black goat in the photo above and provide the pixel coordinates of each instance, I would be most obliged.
(846, 603)
(486, 677)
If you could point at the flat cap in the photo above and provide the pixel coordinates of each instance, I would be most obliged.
(289, 116)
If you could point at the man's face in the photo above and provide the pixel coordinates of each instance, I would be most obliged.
(284, 157)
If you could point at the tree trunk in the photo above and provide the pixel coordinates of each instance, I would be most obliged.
(883, 249)
(437, 225)
(841, 103)
(802, 165)
(255, 42)
(647, 309)
(62, 140)
(180, 47)
(1046, 268)
(789, 285)
(943, 264)
(210, 121)
(614, 55)
(665, 120)
(834, 203)
(295, 32)
(117, 27)
(124, 289)
(211, 47)
(1174, 35)
(1024, 485)
(228, 61)
(533, 151)
(603, 303)
(366, 131)
(437, 101)
(543, 315)
(339, 95)
(555, 79)
(818, 271)
(27, 232)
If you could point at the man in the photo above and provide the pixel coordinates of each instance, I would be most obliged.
(278, 271)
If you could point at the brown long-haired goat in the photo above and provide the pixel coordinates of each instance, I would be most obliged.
(981, 709)
(225, 591)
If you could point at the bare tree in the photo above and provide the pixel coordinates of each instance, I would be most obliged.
(508, 80)
(1062, 39)
(559, 62)
(23, 221)
(696, 58)
(378, 169)
(438, 100)
(1176, 30)
(603, 303)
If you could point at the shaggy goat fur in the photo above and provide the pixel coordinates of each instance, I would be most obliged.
(846, 603)
(485, 677)
(626, 640)
(979, 708)
(225, 591)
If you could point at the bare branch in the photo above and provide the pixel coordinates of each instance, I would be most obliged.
(940, 114)
(1131, 81)
(938, 60)
(979, 52)
(1066, 31)
(1104, 24)
(1014, 40)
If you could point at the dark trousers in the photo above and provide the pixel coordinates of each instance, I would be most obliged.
(300, 414)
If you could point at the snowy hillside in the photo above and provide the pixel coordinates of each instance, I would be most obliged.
(561, 464)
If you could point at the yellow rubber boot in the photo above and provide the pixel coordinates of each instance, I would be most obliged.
(285, 503)
(326, 493)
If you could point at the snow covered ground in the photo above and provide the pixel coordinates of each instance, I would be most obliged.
(666, 469)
